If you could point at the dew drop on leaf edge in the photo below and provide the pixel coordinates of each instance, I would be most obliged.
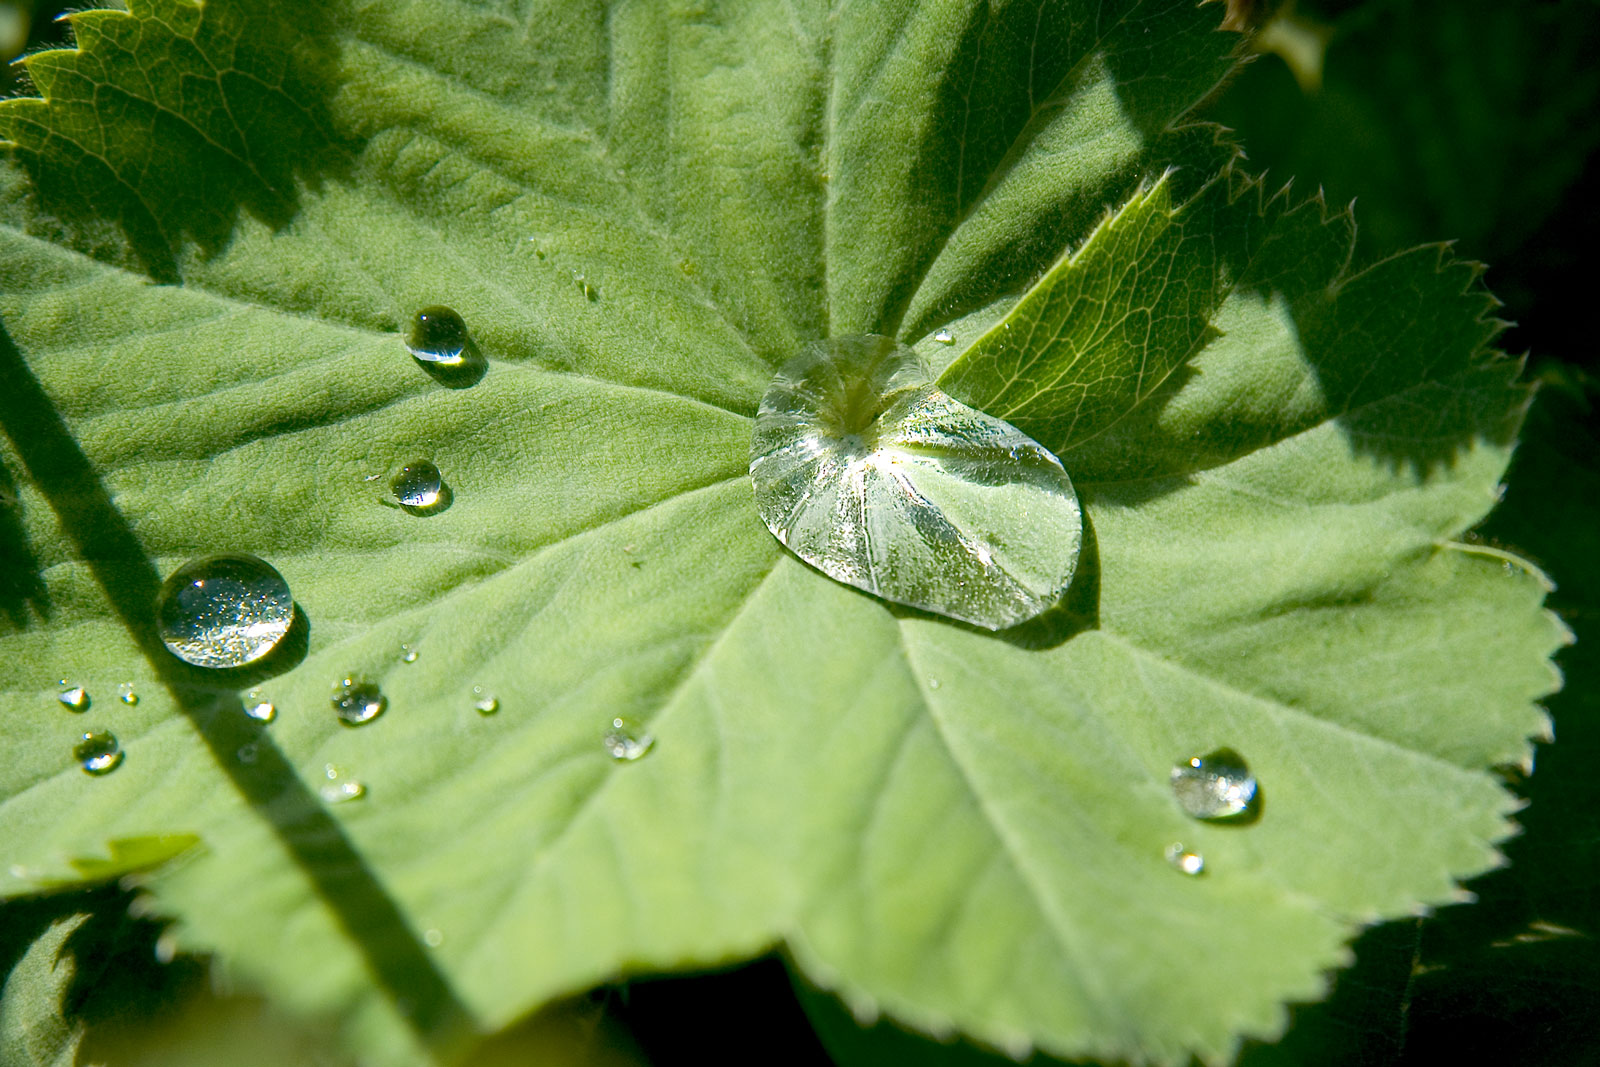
(224, 611)
(99, 752)
(1215, 787)
(625, 743)
(437, 334)
(357, 701)
(868, 472)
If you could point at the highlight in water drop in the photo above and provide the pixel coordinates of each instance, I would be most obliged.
(483, 701)
(126, 694)
(1184, 860)
(339, 786)
(357, 701)
(98, 752)
(1216, 787)
(73, 697)
(871, 474)
(626, 743)
(259, 707)
(437, 335)
(224, 611)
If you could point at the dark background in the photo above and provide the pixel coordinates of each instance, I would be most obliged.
(1473, 121)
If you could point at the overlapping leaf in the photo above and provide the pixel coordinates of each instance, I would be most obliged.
(1274, 452)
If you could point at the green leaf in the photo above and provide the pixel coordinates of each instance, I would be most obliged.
(35, 1028)
(640, 211)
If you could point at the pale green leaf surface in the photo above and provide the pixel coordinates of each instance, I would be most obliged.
(962, 829)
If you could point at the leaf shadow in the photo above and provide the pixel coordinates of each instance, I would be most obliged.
(23, 594)
(211, 141)
(106, 542)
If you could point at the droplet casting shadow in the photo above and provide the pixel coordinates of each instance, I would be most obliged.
(446, 498)
(331, 863)
(461, 375)
(1077, 611)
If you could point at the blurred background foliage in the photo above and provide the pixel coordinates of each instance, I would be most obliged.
(1473, 121)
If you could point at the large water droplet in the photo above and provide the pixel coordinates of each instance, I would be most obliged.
(259, 707)
(1184, 860)
(73, 697)
(483, 701)
(419, 488)
(1217, 786)
(357, 701)
(224, 611)
(624, 742)
(437, 335)
(871, 474)
(98, 753)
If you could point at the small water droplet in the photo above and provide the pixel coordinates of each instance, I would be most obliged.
(357, 701)
(945, 337)
(1190, 863)
(624, 743)
(437, 335)
(934, 683)
(419, 488)
(483, 701)
(98, 753)
(408, 654)
(126, 694)
(248, 752)
(590, 291)
(259, 707)
(432, 938)
(224, 611)
(73, 697)
(339, 788)
(340, 792)
(1217, 786)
